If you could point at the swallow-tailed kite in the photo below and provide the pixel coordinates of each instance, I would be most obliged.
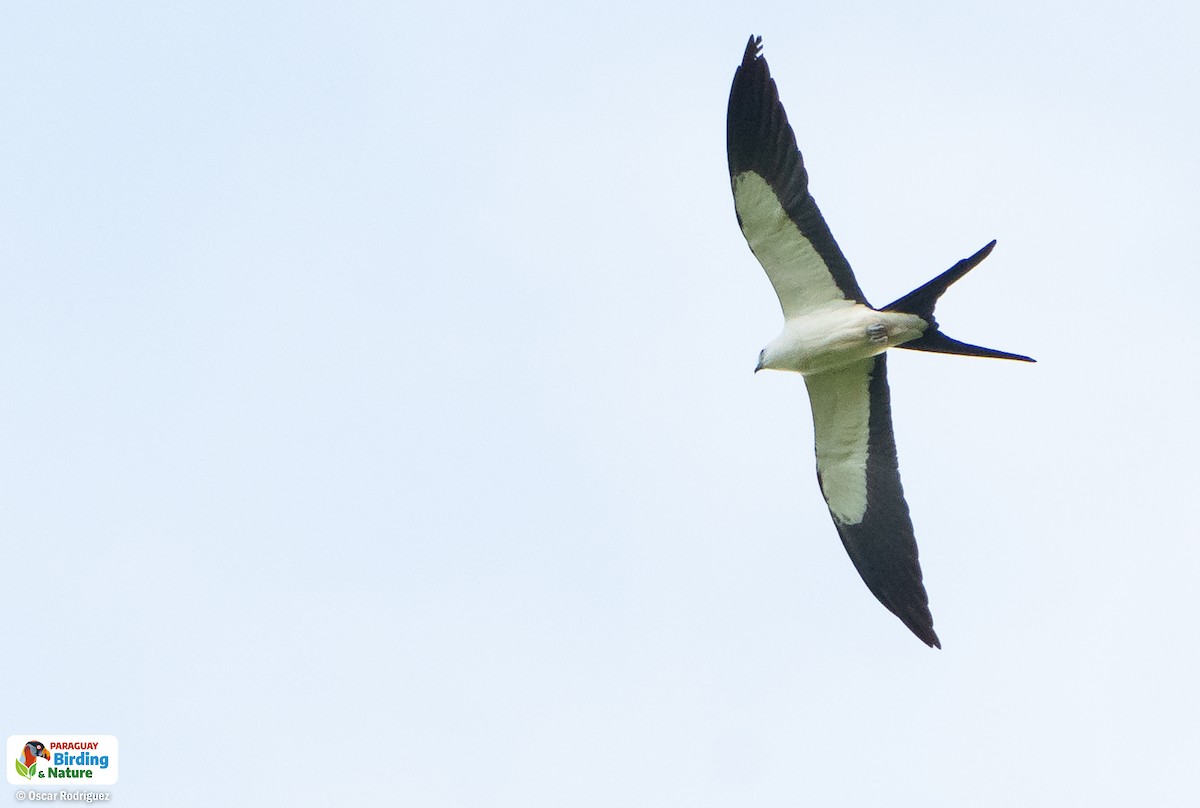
(837, 340)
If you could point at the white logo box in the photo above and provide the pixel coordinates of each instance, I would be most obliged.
(72, 758)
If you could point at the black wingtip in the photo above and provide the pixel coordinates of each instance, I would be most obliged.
(753, 49)
(930, 639)
(918, 619)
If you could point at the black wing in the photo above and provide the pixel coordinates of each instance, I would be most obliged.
(777, 214)
(860, 480)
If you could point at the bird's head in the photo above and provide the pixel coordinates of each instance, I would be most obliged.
(778, 355)
(35, 750)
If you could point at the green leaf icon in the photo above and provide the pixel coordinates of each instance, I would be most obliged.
(32, 768)
(21, 770)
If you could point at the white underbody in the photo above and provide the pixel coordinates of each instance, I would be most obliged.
(837, 334)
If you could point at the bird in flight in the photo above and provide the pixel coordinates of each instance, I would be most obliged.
(837, 340)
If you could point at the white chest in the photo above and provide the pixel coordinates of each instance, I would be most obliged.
(836, 335)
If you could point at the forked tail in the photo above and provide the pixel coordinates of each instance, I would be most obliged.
(921, 302)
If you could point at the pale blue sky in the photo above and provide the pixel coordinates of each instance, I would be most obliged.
(379, 425)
